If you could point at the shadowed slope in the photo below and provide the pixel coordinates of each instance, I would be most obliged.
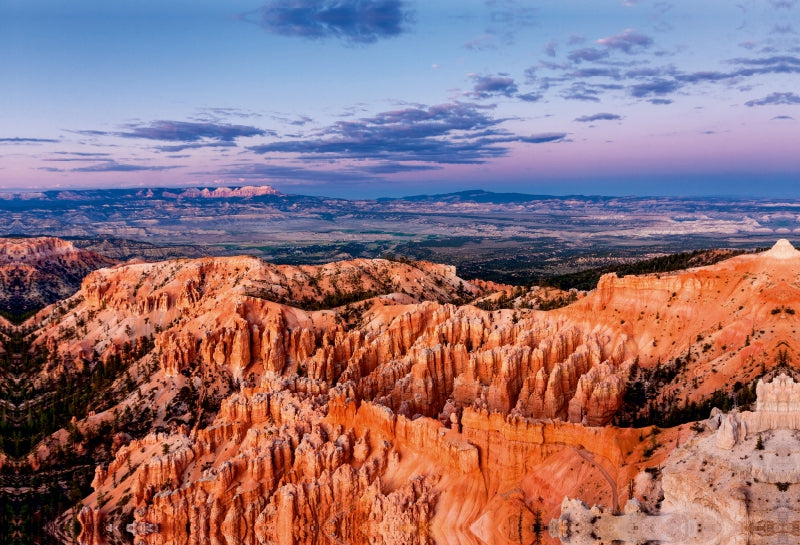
(35, 272)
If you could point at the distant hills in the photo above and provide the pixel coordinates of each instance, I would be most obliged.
(508, 237)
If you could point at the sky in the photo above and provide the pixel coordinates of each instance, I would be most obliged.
(372, 98)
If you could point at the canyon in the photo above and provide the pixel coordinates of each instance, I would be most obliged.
(375, 400)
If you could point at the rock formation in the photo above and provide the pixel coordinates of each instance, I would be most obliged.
(366, 401)
(725, 485)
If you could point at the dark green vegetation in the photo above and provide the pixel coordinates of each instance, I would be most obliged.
(587, 279)
(30, 410)
(649, 400)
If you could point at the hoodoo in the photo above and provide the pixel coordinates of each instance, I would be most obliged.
(369, 401)
(734, 481)
(782, 249)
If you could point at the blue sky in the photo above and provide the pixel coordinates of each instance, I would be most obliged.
(390, 97)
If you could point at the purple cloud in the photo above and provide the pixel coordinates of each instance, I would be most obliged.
(775, 99)
(489, 86)
(452, 133)
(657, 86)
(595, 73)
(185, 131)
(18, 140)
(588, 54)
(354, 21)
(530, 97)
(186, 134)
(597, 117)
(630, 41)
(112, 166)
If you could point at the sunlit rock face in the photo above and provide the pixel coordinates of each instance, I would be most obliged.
(368, 401)
(735, 482)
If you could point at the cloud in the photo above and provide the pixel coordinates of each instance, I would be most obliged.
(190, 135)
(542, 138)
(580, 90)
(82, 153)
(660, 101)
(397, 168)
(777, 117)
(186, 131)
(783, 29)
(216, 114)
(774, 61)
(597, 117)
(18, 140)
(774, 99)
(490, 86)
(700, 77)
(589, 54)
(451, 133)
(112, 166)
(630, 41)
(195, 145)
(530, 97)
(481, 43)
(594, 73)
(550, 48)
(507, 17)
(656, 86)
(575, 39)
(354, 21)
(785, 64)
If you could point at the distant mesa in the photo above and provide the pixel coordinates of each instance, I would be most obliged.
(224, 192)
(192, 193)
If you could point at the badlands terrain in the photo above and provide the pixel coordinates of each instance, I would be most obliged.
(228, 400)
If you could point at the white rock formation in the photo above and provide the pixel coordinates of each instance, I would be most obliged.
(782, 249)
(736, 483)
